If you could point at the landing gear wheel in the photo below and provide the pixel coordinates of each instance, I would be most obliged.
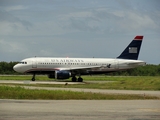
(74, 79)
(80, 79)
(33, 79)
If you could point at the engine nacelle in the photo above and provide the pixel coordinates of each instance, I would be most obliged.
(62, 74)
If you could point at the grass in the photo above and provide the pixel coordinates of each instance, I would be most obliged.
(120, 82)
(23, 77)
(7, 92)
(45, 77)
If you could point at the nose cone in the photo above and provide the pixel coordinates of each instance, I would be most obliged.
(17, 68)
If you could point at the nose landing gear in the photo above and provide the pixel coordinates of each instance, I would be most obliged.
(33, 78)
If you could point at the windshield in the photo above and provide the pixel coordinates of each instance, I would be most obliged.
(22, 62)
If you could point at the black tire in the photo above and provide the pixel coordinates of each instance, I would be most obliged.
(33, 79)
(74, 79)
(80, 79)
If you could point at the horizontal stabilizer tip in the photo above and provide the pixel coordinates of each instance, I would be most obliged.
(138, 38)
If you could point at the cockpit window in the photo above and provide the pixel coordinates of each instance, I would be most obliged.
(22, 62)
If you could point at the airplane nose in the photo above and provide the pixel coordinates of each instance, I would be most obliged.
(16, 68)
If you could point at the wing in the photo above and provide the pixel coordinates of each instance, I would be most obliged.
(79, 68)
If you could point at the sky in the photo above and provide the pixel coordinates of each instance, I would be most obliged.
(78, 28)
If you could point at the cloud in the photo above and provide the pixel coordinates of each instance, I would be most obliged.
(102, 19)
(98, 20)
(11, 25)
(75, 28)
(11, 47)
(131, 21)
(17, 7)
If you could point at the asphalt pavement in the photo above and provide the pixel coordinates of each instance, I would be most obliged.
(79, 109)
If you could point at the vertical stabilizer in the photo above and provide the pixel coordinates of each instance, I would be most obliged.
(133, 49)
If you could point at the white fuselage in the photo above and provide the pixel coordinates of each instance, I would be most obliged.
(82, 65)
(63, 68)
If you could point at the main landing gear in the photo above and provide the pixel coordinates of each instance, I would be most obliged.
(74, 79)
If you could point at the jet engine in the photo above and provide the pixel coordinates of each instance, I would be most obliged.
(60, 75)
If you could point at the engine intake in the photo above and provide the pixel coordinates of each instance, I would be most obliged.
(62, 74)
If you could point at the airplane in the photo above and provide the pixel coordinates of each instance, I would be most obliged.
(64, 68)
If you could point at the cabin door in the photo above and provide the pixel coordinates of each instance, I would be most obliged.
(34, 64)
(116, 64)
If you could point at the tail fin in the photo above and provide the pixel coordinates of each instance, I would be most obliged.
(132, 50)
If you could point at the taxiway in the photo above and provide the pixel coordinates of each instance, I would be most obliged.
(79, 109)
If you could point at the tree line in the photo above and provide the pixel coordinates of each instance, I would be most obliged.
(148, 70)
(7, 67)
